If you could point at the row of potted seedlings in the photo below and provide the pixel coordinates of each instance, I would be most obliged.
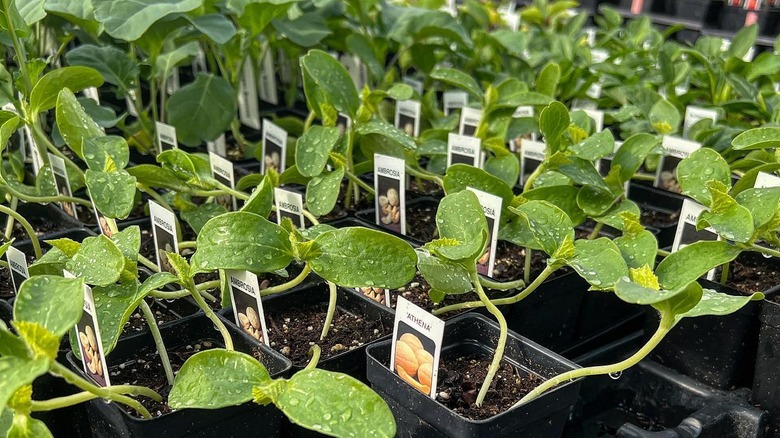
(526, 207)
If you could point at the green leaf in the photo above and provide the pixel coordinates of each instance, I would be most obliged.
(701, 167)
(664, 117)
(8, 129)
(31, 10)
(639, 249)
(217, 27)
(356, 256)
(462, 227)
(113, 193)
(313, 148)
(97, 150)
(630, 156)
(76, 78)
(561, 196)
(241, 240)
(202, 110)
(216, 379)
(335, 404)
(128, 241)
(719, 304)
(155, 176)
(459, 177)
(612, 217)
(547, 80)
(757, 138)
(322, 191)
(114, 304)
(73, 122)
(599, 262)
(505, 167)
(194, 169)
(762, 203)
(443, 275)
(384, 129)
(198, 217)
(548, 224)
(595, 147)
(692, 261)
(305, 31)
(581, 172)
(332, 81)
(261, 201)
(115, 65)
(54, 303)
(553, 121)
(743, 41)
(256, 15)
(98, 262)
(633, 293)
(25, 426)
(363, 47)
(457, 78)
(129, 20)
(729, 219)
(17, 372)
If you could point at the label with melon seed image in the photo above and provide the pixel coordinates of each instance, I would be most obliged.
(417, 339)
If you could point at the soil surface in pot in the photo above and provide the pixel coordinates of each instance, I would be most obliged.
(658, 219)
(137, 322)
(751, 273)
(417, 292)
(6, 283)
(42, 225)
(424, 187)
(145, 369)
(461, 377)
(421, 221)
(510, 262)
(293, 331)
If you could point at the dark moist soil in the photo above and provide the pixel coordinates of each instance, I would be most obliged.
(145, 369)
(510, 262)
(293, 331)
(421, 222)
(41, 225)
(137, 322)
(752, 272)
(658, 219)
(424, 187)
(306, 222)
(86, 215)
(417, 292)
(460, 379)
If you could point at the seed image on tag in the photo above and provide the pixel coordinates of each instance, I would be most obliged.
(694, 114)
(102, 220)
(390, 186)
(407, 116)
(166, 137)
(289, 204)
(416, 347)
(469, 121)
(687, 232)
(218, 146)
(17, 262)
(222, 171)
(247, 305)
(531, 156)
(452, 100)
(164, 231)
(491, 206)
(462, 149)
(88, 338)
(248, 107)
(63, 184)
(675, 150)
(274, 147)
(377, 294)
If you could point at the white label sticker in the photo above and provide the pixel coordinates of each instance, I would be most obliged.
(416, 84)
(416, 334)
(407, 116)
(597, 116)
(357, 71)
(522, 112)
(218, 146)
(590, 35)
(130, 100)
(695, 113)
(344, 123)
(17, 261)
(248, 110)
(453, 100)
(469, 121)
(289, 204)
(765, 180)
(687, 233)
(199, 62)
(491, 206)
(599, 55)
(63, 184)
(172, 83)
(675, 150)
(594, 91)
(37, 160)
(285, 72)
(267, 80)
(92, 93)
(222, 171)
(531, 156)
(247, 305)
(166, 137)
(390, 199)
(464, 150)
(164, 230)
(274, 147)
(90, 343)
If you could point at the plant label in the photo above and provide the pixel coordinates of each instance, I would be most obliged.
(274, 147)
(285, 71)
(222, 171)
(377, 294)
(599, 55)
(102, 220)
(289, 204)
(218, 146)
(92, 93)
(491, 206)
(407, 116)
(469, 121)
(416, 84)
(63, 184)
(512, 20)
(522, 112)
(17, 262)
(453, 100)
(390, 186)
(357, 71)
(344, 123)
(164, 231)
(248, 110)
(199, 62)
(675, 150)
(130, 100)
(765, 180)
(416, 348)
(695, 113)
(172, 82)
(37, 160)
(597, 116)
(166, 137)
(462, 149)
(594, 91)
(247, 305)
(90, 344)
(267, 80)
(532, 155)
(590, 36)
(687, 231)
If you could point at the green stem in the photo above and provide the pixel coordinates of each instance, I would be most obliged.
(331, 309)
(420, 174)
(21, 56)
(307, 214)
(495, 285)
(211, 315)
(724, 273)
(666, 324)
(9, 225)
(44, 199)
(499, 353)
(360, 183)
(501, 301)
(27, 228)
(643, 177)
(81, 397)
(527, 265)
(314, 352)
(763, 250)
(529, 183)
(240, 195)
(148, 263)
(108, 393)
(158, 341)
(188, 244)
(309, 120)
(290, 284)
(596, 231)
(663, 253)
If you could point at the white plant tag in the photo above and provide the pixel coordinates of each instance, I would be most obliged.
(416, 334)
(464, 150)
(166, 137)
(267, 80)
(218, 146)
(248, 107)
(222, 170)
(63, 184)
(90, 343)
(289, 204)
(390, 199)
(687, 233)
(469, 121)
(531, 156)
(247, 305)
(274, 147)
(675, 150)
(164, 231)
(407, 116)
(452, 100)
(491, 206)
(695, 113)
(17, 261)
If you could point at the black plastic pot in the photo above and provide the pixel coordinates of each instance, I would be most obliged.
(420, 416)
(646, 195)
(49, 216)
(766, 384)
(369, 215)
(694, 10)
(112, 420)
(732, 18)
(6, 311)
(717, 350)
